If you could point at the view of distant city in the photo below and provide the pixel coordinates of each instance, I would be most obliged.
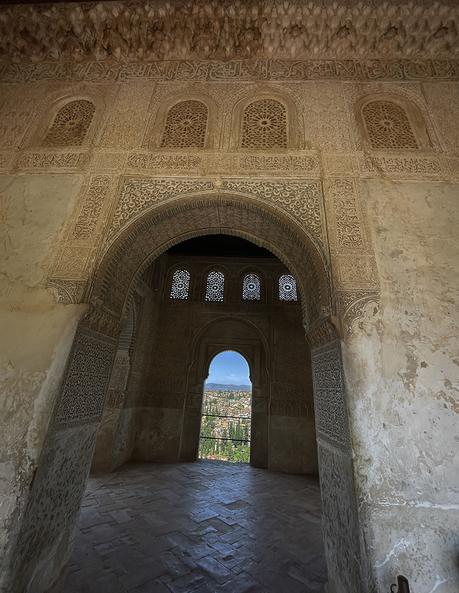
(226, 409)
(225, 425)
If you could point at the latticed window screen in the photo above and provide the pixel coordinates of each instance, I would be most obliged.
(287, 288)
(388, 126)
(186, 125)
(251, 287)
(180, 286)
(264, 125)
(70, 124)
(215, 287)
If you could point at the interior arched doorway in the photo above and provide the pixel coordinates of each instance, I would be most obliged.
(226, 412)
(246, 339)
(46, 530)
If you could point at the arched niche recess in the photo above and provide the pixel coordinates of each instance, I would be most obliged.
(61, 476)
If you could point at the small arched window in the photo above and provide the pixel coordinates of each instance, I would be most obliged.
(387, 126)
(215, 286)
(186, 125)
(251, 287)
(264, 125)
(180, 285)
(71, 124)
(287, 288)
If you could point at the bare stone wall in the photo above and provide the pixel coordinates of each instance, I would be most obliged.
(381, 218)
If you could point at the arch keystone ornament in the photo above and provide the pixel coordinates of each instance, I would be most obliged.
(148, 232)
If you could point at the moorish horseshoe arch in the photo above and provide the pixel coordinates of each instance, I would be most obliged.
(66, 458)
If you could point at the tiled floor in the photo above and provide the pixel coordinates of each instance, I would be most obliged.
(204, 527)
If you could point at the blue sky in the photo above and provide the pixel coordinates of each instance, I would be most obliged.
(229, 368)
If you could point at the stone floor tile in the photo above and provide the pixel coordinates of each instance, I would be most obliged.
(205, 527)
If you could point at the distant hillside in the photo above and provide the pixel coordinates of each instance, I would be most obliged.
(221, 387)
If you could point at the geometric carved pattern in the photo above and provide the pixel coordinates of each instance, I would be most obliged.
(215, 287)
(86, 380)
(54, 500)
(264, 125)
(186, 125)
(139, 194)
(91, 207)
(339, 518)
(235, 70)
(251, 287)
(70, 124)
(248, 219)
(180, 284)
(329, 395)
(388, 126)
(302, 199)
(348, 224)
(287, 288)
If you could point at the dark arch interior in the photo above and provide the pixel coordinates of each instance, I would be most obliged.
(219, 246)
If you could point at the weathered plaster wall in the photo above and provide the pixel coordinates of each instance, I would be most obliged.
(36, 332)
(403, 383)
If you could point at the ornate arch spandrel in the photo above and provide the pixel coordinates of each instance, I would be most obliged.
(158, 229)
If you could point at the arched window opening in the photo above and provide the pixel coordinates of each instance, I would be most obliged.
(264, 125)
(226, 409)
(251, 287)
(180, 285)
(215, 286)
(70, 124)
(287, 288)
(186, 125)
(387, 126)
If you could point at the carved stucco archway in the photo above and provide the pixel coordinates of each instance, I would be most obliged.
(43, 545)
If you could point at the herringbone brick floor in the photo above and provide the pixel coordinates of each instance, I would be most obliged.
(204, 527)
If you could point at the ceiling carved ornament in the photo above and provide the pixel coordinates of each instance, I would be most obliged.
(228, 30)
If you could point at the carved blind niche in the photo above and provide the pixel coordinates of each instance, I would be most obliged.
(264, 125)
(387, 126)
(71, 124)
(186, 125)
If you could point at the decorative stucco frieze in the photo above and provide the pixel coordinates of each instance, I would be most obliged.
(52, 160)
(236, 70)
